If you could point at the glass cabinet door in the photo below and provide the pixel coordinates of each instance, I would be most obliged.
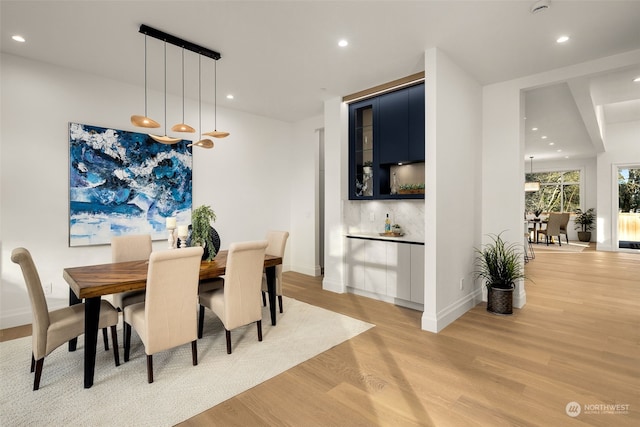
(363, 145)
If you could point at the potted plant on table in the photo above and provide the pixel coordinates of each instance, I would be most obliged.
(202, 233)
(499, 264)
(584, 221)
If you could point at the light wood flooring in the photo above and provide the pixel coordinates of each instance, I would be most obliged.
(576, 340)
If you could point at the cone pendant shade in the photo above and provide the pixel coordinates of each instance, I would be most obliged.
(144, 121)
(164, 139)
(182, 127)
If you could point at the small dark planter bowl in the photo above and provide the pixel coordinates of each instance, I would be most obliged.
(584, 236)
(500, 300)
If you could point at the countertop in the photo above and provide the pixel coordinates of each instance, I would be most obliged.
(376, 236)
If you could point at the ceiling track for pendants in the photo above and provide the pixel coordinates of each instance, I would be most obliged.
(177, 41)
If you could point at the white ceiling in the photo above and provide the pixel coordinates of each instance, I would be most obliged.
(280, 58)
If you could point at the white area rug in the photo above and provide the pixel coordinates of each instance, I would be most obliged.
(575, 247)
(122, 396)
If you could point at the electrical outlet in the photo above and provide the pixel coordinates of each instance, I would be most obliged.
(461, 283)
(372, 216)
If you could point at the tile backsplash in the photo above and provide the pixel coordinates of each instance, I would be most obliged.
(408, 213)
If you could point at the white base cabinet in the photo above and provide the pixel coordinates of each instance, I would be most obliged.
(389, 271)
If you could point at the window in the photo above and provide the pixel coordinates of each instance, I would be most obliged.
(559, 191)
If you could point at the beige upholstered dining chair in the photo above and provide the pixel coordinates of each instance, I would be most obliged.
(238, 302)
(168, 317)
(130, 248)
(51, 329)
(563, 225)
(277, 244)
(553, 227)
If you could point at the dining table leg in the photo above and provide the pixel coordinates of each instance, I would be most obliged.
(271, 289)
(91, 318)
(73, 300)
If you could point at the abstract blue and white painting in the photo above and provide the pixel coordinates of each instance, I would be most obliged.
(125, 183)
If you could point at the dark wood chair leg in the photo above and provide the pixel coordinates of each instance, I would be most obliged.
(36, 380)
(127, 341)
(201, 321)
(194, 352)
(33, 363)
(149, 368)
(105, 338)
(264, 299)
(116, 350)
(228, 335)
(259, 325)
(280, 302)
(559, 240)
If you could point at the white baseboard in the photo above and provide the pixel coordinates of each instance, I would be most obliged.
(450, 313)
(337, 287)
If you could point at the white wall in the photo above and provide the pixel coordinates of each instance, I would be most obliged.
(304, 200)
(245, 178)
(453, 176)
(336, 164)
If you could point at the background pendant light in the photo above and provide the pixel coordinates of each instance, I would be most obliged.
(182, 127)
(530, 186)
(164, 139)
(215, 133)
(144, 121)
(204, 143)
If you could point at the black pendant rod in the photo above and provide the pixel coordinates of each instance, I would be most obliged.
(161, 35)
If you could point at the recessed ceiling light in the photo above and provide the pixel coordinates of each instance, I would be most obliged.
(566, 157)
(534, 129)
(559, 151)
(544, 137)
(343, 43)
(562, 39)
(18, 38)
(552, 143)
(229, 96)
(636, 80)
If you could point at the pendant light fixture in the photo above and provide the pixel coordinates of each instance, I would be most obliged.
(533, 185)
(144, 121)
(205, 142)
(183, 127)
(216, 133)
(164, 139)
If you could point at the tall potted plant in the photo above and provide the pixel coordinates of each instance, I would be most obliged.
(499, 264)
(584, 221)
(202, 231)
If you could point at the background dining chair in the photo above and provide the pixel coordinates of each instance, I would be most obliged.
(563, 225)
(130, 248)
(553, 227)
(238, 302)
(277, 244)
(52, 329)
(168, 317)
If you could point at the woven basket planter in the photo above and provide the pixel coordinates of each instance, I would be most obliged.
(500, 301)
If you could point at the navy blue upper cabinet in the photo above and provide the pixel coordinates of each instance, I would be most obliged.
(393, 127)
(384, 131)
(401, 126)
(416, 123)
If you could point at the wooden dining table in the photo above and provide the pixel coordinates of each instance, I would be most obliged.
(90, 283)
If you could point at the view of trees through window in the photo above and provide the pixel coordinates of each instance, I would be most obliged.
(559, 191)
(629, 190)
